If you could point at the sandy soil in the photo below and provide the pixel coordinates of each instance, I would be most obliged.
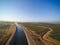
(43, 37)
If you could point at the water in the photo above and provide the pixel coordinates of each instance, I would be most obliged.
(19, 37)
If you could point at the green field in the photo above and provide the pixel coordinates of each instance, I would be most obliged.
(40, 27)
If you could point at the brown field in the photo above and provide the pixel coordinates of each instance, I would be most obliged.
(39, 28)
(6, 29)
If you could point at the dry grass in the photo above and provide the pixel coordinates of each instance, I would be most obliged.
(6, 32)
(39, 29)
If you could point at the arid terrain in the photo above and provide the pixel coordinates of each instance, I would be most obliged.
(6, 30)
(36, 33)
(43, 33)
(29, 22)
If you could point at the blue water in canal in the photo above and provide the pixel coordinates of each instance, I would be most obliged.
(19, 37)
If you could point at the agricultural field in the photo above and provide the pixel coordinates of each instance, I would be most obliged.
(40, 27)
(6, 29)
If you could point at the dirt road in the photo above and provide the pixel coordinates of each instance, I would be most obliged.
(30, 35)
(44, 38)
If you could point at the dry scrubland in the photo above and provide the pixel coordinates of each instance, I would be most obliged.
(38, 28)
(6, 29)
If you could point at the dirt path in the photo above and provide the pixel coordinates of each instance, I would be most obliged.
(44, 38)
(13, 29)
(31, 35)
(48, 40)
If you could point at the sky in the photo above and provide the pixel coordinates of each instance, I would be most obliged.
(30, 10)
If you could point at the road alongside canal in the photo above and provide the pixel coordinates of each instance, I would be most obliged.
(19, 37)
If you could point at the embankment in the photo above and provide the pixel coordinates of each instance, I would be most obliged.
(48, 40)
(12, 32)
(28, 36)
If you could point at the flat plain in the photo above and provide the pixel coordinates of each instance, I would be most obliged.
(39, 28)
(6, 29)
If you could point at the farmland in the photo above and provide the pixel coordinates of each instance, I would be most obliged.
(6, 29)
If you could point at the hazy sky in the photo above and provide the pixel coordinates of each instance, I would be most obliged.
(30, 10)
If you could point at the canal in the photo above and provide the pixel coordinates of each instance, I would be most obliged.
(19, 37)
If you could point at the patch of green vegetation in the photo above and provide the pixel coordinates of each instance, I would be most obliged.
(4, 26)
(39, 27)
(56, 30)
(35, 28)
